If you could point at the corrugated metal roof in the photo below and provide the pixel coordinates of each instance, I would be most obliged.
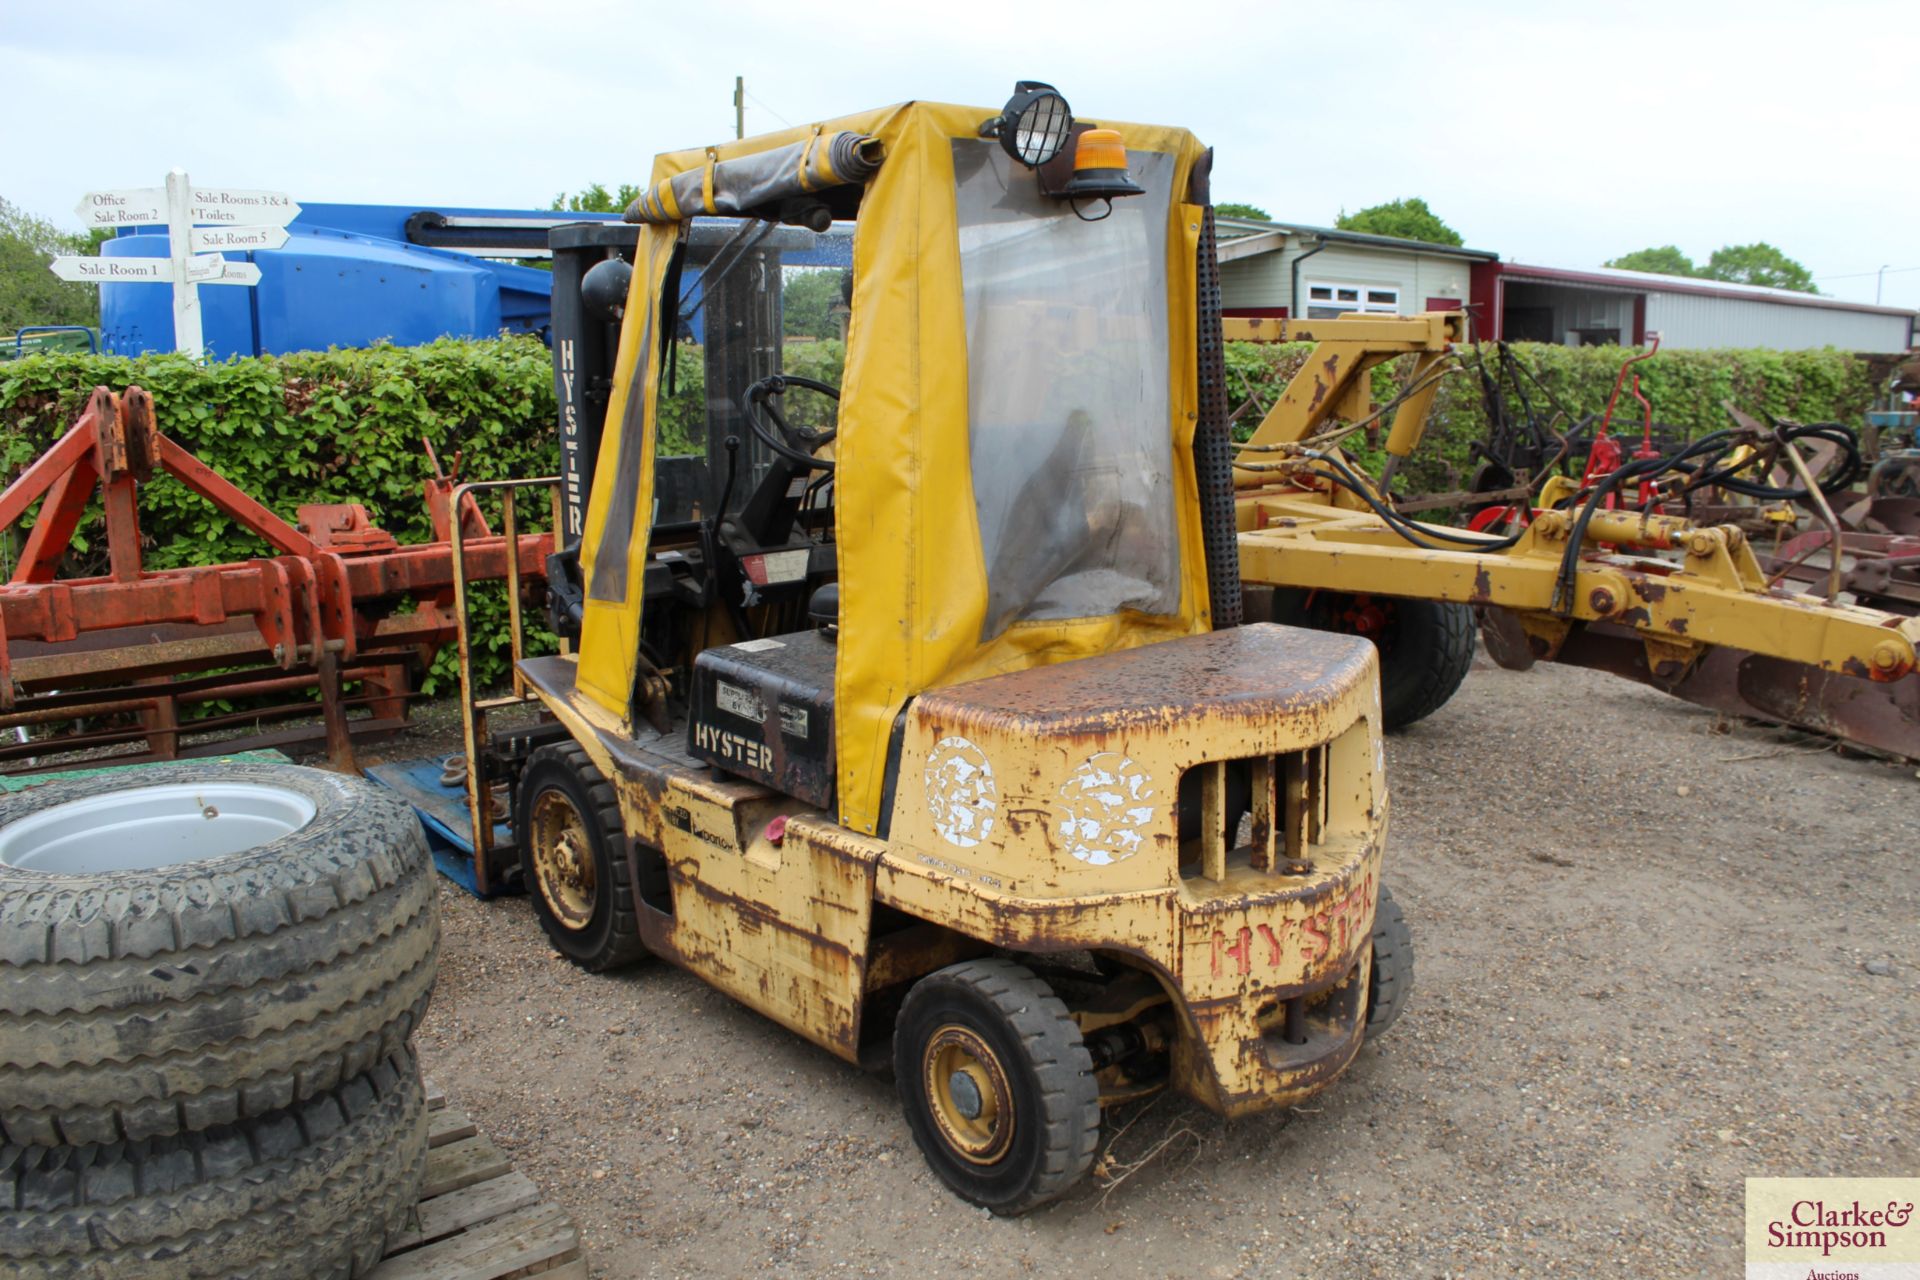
(1653, 282)
(1235, 228)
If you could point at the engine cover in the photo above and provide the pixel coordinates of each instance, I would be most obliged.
(763, 710)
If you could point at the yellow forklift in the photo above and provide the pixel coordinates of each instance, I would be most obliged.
(914, 712)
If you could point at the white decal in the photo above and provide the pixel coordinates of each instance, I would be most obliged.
(758, 646)
(744, 703)
(961, 797)
(786, 566)
(1106, 809)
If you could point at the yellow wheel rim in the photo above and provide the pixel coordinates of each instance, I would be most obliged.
(563, 859)
(968, 1093)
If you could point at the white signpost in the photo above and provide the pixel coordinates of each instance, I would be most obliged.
(241, 220)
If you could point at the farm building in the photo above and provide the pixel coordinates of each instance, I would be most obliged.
(1600, 305)
(1263, 264)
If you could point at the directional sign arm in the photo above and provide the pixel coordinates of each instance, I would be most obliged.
(226, 206)
(111, 270)
(130, 206)
(248, 237)
(236, 273)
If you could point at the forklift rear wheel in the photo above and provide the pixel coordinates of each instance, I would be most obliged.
(997, 1084)
(573, 857)
(1425, 646)
(1390, 980)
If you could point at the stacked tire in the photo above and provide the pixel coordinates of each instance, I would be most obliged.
(209, 974)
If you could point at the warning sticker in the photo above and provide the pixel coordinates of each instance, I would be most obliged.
(742, 702)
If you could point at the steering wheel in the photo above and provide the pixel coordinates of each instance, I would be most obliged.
(796, 444)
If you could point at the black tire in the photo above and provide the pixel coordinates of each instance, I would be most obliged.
(606, 935)
(1390, 982)
(1045, 1073)
(139, 1003)
(312, 1192)
(1425, 646)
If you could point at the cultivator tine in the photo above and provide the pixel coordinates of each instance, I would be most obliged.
(1883, 718)
(1880, 717)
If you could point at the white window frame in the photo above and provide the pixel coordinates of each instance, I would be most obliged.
(1361, 303)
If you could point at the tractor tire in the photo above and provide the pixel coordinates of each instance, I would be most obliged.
(574, 859)
(1022, 1127)
(310, 1192)
(191, 945)
(1390, 981)
(1425, 646)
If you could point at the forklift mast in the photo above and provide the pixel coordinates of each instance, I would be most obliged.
(592, 269)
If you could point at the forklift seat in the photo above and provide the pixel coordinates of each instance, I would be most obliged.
(823, 610)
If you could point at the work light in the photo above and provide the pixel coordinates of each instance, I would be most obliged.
(1034, 124)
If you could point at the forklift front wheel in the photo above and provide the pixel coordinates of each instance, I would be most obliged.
(572, 856)
(997, 1085)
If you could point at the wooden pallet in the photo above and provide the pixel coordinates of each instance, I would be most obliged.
(478, 1219)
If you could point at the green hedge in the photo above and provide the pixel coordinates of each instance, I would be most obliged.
(340, 426)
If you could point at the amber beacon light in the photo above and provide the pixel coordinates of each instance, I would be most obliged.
(1100, 168)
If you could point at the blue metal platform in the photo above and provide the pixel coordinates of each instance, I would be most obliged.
(443, 814)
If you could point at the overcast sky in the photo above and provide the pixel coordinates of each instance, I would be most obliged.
(1544, 133)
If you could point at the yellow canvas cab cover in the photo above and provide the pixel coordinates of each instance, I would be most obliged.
(1015, 481)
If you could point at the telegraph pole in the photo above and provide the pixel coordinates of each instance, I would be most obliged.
(739, 106)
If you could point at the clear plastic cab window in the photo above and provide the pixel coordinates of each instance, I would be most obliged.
(1067, 392)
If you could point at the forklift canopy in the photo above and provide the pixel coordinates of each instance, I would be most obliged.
(1015, 481)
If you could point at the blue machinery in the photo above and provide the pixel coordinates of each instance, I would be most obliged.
(351, 275)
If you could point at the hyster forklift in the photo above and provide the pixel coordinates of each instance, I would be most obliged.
(914, 712)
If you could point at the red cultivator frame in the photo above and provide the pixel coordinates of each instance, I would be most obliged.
(326, 610)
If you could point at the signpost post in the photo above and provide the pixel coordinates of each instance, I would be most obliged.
(240, 219)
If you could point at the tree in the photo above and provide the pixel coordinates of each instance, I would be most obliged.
(1407, 219)
(1667, 260)
(1250, 211)
(29, 292)
(806, 303)
(1758, 263)
(596, 199)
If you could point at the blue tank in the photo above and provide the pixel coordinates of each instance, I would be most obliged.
(351, 275)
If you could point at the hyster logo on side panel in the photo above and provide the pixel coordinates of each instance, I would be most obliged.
(731, 746)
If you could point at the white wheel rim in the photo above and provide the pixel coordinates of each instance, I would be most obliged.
(147, 828)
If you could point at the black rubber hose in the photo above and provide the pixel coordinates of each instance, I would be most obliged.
(1411, 530)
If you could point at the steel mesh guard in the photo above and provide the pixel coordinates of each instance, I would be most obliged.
(1213, 444)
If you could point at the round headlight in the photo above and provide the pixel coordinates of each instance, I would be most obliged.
(1034, 125)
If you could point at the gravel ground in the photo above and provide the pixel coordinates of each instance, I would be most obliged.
(1658, 953)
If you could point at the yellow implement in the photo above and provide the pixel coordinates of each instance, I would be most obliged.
(1684, 607)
